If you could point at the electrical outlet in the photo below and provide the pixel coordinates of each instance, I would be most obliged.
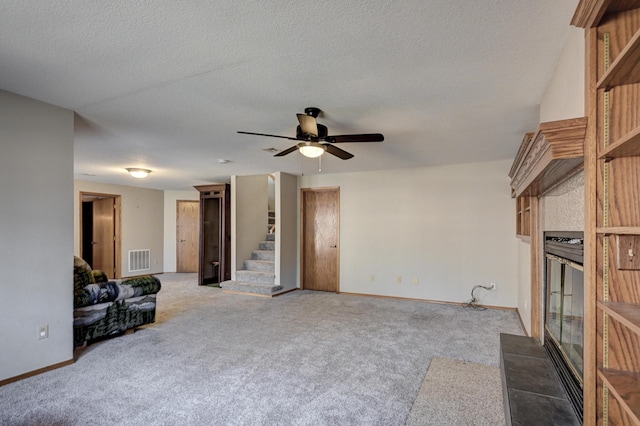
(372, 277)
(399, 279)
(493, 286)
(43, 331)
(415, 280)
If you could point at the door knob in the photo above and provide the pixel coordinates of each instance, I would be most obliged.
(334, 246)
(182, 241)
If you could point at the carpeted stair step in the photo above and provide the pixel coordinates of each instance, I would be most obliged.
(256, 277)
(260, 265)
(271, 237)
(267, 245)
(250, 288)
(263, 255)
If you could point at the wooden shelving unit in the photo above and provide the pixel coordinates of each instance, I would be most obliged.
(523, 214)
(626, 68)
(612, 180)
(627, 146)
(618, 230)
(626, 313)
(624, 387)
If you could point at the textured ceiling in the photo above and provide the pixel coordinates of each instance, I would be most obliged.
(165, 84)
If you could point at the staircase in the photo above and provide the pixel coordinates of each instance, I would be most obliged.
(258, 276)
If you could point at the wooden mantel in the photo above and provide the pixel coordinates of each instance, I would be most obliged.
(549, 156)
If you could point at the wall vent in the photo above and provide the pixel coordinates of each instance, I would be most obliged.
(139, 260)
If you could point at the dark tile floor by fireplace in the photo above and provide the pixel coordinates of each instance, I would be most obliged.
(533, 394)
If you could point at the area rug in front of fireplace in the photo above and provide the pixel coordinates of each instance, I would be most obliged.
(458, 393)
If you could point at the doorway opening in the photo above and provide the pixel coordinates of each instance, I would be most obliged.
(100, 233)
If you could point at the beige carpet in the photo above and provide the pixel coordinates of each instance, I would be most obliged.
(303, 358)
(459, 393)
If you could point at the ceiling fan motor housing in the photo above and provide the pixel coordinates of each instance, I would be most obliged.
(322, 133)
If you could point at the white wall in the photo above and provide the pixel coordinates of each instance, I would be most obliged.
(36, 223)
(142, 221)
(286, 201)
(170, 216)
(249, 217)
(564, 96)
(451, 227)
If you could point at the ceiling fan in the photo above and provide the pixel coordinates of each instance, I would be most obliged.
(314, 139)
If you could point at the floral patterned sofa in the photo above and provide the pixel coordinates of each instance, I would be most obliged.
(103, 308)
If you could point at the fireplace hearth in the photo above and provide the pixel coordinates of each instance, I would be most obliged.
(564, 310)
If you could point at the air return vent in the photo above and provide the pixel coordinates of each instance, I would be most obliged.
(139, 260)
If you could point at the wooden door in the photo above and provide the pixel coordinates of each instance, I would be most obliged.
(103, 244)
(320, 239)
(187, 216)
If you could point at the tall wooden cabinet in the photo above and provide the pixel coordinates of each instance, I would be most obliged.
(612, 202)
(215, 234)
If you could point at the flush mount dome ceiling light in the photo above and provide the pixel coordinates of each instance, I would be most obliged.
(311, 149)
(138, 173)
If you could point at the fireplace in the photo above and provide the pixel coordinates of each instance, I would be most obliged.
(564, 310)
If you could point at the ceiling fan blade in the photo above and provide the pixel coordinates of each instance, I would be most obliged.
(271, 136)
(340, 153)
(308, 124)
(287, 151)
(366, 137)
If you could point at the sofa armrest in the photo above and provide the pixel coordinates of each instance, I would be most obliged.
(148, 284)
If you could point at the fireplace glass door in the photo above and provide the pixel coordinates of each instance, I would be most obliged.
(565, 308)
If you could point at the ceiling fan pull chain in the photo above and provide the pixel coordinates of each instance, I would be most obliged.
(320, 163)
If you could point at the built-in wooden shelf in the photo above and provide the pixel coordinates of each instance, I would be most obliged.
(617, 115)
(624, 387)
(523, 216)
(618, 230)
(627, 146)
(626, 313)
(547, 157)
(625, 69)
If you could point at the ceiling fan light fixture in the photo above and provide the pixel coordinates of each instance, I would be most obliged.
(138, 173)
(312, 151)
